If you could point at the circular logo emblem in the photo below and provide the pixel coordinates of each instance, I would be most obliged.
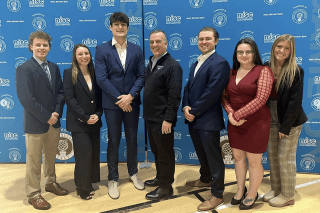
(220, 19)
(315, 104)
(270, 2)
(104, 136)
(107, 22)
(150, 22)
(196, 3)
(266, 58)
(177, 154)
(66, 45)
(247, 36)
(317, 39)
(39, 23)
(299, 16)
(175, 43)
(14, 5)
(19, 62)
(264, 159)
(15, 155)
(134, 40)
(226, 150)
(307, 163)
(3, 46)
(192, 61)
(7, 103)
(299, 60)
(65, 147)
(84, 5)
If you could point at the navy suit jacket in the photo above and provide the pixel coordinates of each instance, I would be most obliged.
(113, 79)
(81, 102)
(203, 93)
(38, 97)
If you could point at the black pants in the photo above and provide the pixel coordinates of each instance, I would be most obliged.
(162, 148)
(87, 155)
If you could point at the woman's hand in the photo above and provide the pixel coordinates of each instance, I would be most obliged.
(234, 122)
(93, 119)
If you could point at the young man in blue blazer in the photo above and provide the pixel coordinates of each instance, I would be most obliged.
(120, 75)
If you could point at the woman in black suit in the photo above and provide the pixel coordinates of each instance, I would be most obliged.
(83, 99)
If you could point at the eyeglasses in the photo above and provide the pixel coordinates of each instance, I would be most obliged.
(249, 52)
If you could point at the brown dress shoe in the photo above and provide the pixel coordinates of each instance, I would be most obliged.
(39, 202)
(210, 204)
(197, 183)
(56, 189)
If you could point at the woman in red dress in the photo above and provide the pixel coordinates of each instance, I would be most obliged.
(244, 100)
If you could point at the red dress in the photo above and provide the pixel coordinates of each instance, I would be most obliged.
(247, 100)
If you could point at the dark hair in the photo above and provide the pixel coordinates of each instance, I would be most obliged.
(254, 47)
(119, 16)
(75, 65)
(40, 35)
(159, 31)
(211, 29)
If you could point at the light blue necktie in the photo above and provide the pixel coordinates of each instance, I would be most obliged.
(46, 70)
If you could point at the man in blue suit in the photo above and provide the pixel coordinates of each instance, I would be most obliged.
(203, 112)
(120, 75)
(40, 92)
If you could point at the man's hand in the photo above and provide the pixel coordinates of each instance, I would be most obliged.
(124, 102)
(187, 115)
(281, 135)
(234, 122)
(166, 127)
(54, 119)
(93, 119)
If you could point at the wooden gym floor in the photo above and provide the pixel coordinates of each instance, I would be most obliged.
(185, 199)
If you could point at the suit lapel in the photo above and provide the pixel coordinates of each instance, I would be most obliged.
(128, 56)
(84, 84)
(115, 54)
(41, 72)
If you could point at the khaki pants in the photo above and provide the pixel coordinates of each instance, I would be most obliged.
(282, 155)
(37, 146)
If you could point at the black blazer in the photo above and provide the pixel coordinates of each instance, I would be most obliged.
(289, 106)
(38, 98)
(81, 103)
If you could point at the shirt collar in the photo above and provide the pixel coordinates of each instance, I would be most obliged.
(156, 59)
(204, 57)
(115, 42)
(38, 60)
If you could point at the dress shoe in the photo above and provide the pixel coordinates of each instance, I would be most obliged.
(154, 182)
(160, 193)
(56, 189)
(270, 195)
(38, 202)
(197, 183)
(137, 182)
(210, 204)
(237, 202)
(113, 189)
(281, 201)
(243, 205)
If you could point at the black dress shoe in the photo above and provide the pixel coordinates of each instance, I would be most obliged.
(159, 193)
(237, 202)
(243, 206)
(154, 182)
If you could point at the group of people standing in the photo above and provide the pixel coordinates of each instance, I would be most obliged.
(263, 103)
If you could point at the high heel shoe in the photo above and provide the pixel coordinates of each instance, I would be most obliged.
(237, 202)
(243, 206)
(83, 194)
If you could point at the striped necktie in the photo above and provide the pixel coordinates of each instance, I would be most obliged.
(44, 66)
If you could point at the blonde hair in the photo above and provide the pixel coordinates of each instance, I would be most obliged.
(289, 67)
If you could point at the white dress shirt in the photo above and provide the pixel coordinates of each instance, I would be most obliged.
(122, 51)
(201, 59)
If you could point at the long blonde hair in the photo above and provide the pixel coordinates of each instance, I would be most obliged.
(289, 67)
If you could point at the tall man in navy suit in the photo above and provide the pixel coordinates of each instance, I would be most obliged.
(203, 112)
(120, 75)
(40, 91)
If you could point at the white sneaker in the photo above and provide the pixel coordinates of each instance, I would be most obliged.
(137, 182)
(113, 189)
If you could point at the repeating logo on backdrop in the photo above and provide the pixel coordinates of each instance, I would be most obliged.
(66, 43)
(134, 39)
(175, 42)
(307, 142)
(226, 150)
(177, 154)
(20, 43)
(245, 16)
(173, 19)
(14, 5)
(38, 22)
(135, 20)
(299, 60)
(150, 21)
(177, 135)
(315, 103)
(196, 3)
(317, 39)
(264, 159)
(65, 147)
(6, 102)
(4, 82)
(270, 2)
(247, 34)
(36, 3)
(150, 2)
(307, 163)
(318, 13)
(9, 136)
(84, 5)
(316, 80)
(14, 155)
(265, 57)
(193, 156)
(19, 61)
(62, 21)
(107, 20)
(220, 18)
(104, 135)
(3, 45)
(194, 41)
(270, 38)
(299, 16)
(106, 3)
(193, 59)
(90, 42)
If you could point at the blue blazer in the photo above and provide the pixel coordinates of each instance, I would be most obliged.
(113, 79)
(203, 93)
(37, 96)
